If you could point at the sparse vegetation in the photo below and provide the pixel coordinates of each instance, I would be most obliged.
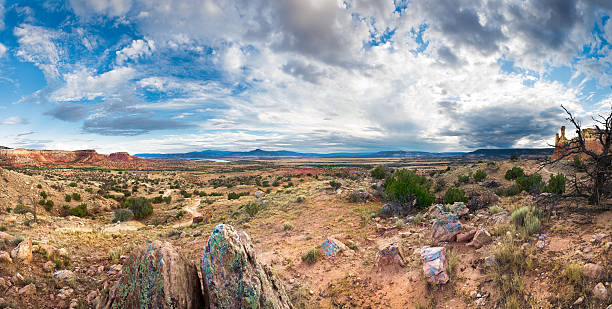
(480, 175)
(79, 211)
(312, 256)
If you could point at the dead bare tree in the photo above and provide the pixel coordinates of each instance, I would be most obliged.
(598, 164)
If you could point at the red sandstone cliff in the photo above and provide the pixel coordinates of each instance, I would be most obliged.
(27, 157)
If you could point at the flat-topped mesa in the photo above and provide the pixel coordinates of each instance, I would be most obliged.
(121, 156)
(562, 144)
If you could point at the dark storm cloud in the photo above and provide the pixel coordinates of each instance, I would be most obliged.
(460, 24)
(500, 126)
(447, 55)
(69, 112)
(130, 125)
(307, 72)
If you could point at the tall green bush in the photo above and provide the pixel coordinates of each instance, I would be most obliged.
(480, 175)
(453, 195)
(406, 186)
(514, 173)
(556, 184)
(140, 206)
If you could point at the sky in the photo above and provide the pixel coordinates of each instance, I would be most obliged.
(306, 75)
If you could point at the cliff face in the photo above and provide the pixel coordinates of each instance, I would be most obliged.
(562, 144)
(27, 157)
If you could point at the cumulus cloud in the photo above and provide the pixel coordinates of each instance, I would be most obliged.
(2, 50)
(356, 74)
(2, 11)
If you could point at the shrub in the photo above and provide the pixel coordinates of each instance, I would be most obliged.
(531, 183)
(43, 194)
(578, 164)
(312, 256)
(251, 208)
(140, 206)
(509, 191)
(41, 202)
(76, 196)
(556, 184)
(21, 209)
(233, 196)
(526, 219)
(168, 199)
(463, 178)
(185, 194)
(480, 175)
(406, 186)
(495, 209)
(378, 173)
(157, 199)
(79, 211)
(335, 185)
(514, 173)
(68, 198)
(454, 195)
(49, 205)
(39, 186)
(440, 184)
(287, 226)
(122, 215)
(300, 199)
(73, 184)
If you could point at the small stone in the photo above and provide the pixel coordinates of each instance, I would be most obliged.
(311, 292)
(18, 278)
(28, 289)
(91, 296)
(587, 250)
(579, 301)
(481, 238)
(600, 291)
(73, 303)
(5, 257)
(49, 266)
(592, 271)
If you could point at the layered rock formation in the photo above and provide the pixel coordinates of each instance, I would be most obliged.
(562, 144)
(28, 157)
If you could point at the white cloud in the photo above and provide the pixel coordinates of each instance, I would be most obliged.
(84, 84)
(138, 49)
(2, 11)
(36, 45)
(107, 7)
(2, 50)
(13, 121)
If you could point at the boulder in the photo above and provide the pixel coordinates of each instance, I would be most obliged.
(5, 257)
(155, 276)
(481, 238)
(259, 194)
(28, 289)
(458, 208)
(390, 254)
(233, 276)
(465, 237)
(23, 252)
(434, 264)
(592, 271)
(64, 276)
(600, 291)
(445, 227)
(332, 247)
(6, 236)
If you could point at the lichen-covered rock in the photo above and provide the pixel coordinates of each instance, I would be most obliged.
(434, 264)
(233, 278)
(445, 227)
(390, 254)
(155, 276)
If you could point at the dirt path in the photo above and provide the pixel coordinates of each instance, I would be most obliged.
(193, 210)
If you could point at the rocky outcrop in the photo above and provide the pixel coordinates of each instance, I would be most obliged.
(23, 252)
(28, 157)
(121, 156)
(234, 278)
(155, 276)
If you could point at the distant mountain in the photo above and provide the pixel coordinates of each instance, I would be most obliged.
(507, 153)
(258, 153)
